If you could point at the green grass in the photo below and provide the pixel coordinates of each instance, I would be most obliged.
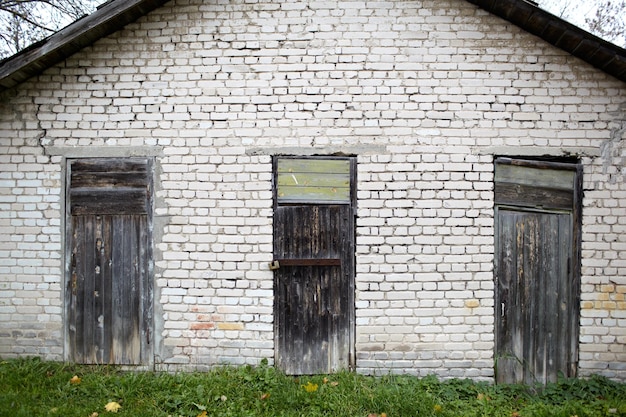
(31, 387)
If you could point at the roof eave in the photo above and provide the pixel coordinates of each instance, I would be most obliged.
(109, 18)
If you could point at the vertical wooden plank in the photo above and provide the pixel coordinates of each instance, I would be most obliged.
(98, 248)
(106, 295)
(566, 287)
(120, 291)
(522, 297)
(550, 242)
(280, 287)
(531, 319)
(134, 330)
(89, 313)
(505, 340)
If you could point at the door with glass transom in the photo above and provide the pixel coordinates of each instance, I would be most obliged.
(314, 263)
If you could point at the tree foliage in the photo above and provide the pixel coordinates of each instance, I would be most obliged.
(23, 22)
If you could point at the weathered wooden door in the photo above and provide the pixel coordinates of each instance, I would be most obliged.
(537, 270)
(314, 264)
(109, 289)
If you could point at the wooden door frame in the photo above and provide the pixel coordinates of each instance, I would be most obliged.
(66, 224)
(353, 204)
(576, 213)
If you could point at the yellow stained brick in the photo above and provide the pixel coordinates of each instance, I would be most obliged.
(472, 303)
(609, 305)
(607, 288)
(602, 296)
(230, 326)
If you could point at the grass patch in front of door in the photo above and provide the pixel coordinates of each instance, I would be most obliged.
(31, 387)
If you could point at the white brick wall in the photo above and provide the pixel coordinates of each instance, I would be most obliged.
(30, 239)
(425, 93)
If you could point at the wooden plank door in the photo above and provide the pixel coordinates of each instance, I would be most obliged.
(537, 272)
(109, 245)
(314, 264)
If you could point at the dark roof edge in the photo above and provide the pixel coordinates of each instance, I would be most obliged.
(108, 18)
(564, 35)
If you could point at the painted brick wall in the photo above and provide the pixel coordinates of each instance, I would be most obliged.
(31, 321)
(425, 93)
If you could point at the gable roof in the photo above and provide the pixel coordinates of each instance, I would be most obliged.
(115, 14)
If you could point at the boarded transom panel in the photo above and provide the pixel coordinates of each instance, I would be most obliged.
(109, 289)
(314, 256)
(537, 270)
(110, 186)
(534, 186)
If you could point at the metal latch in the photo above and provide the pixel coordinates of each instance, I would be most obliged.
(274, 265)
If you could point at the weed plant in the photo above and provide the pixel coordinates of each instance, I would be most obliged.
(31, 387)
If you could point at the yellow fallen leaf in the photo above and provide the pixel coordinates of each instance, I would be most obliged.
(112, 407)
(310, 387)
(202, 414)
(265, 396)
(75, 380)
(94, 414)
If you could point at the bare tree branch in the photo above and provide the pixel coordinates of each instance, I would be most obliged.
(608, 21)
(603, 18)
(23, 22)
